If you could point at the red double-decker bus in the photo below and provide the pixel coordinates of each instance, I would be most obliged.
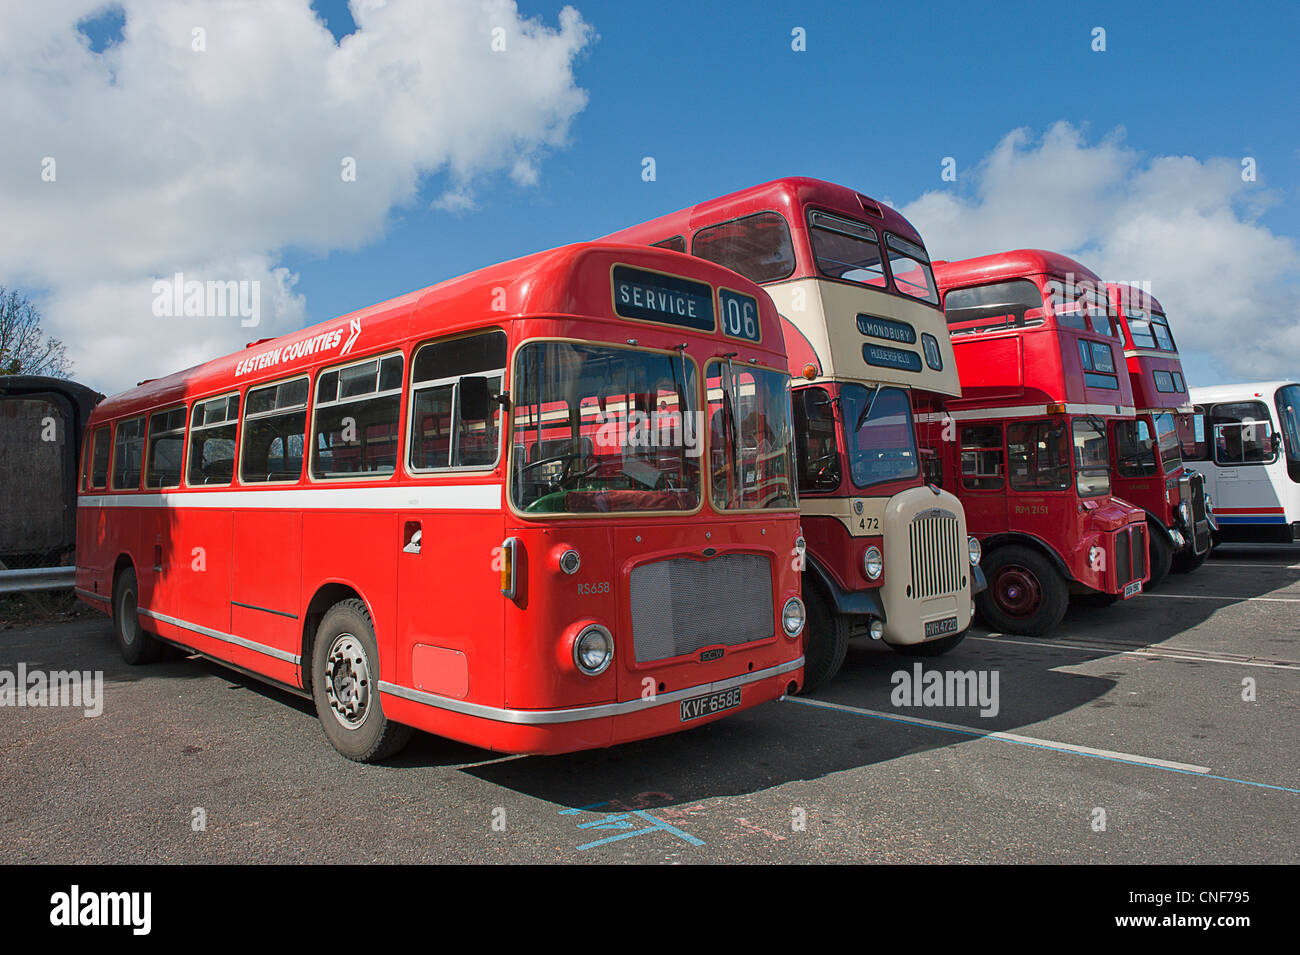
(544, 507)
(888, 554)
(1146, 453)
(1025, 446)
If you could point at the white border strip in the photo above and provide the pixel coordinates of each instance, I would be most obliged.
(1039, 410)
(578, 713)
(470, 497)
(223, 637)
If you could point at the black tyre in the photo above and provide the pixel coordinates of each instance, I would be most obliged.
(1185, 563)
(136, 645)
(1162, 556)
(826, 640)
(1026, 595)
(345, 686)
(931, 648)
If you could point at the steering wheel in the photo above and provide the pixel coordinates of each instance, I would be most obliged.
(565, 476)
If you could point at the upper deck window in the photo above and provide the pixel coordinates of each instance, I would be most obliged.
(981, 308)
(1082, 307)
(848, 250)
(759, 247)
(1149, 329)
(910, 267)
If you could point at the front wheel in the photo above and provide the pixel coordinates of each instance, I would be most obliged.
(1162, 555)
(1185, 563)
(345, 686)
(1026, 595)
(826, 640)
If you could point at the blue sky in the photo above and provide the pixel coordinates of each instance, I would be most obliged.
(883, 92)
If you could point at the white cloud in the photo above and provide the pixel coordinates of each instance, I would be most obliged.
(1190, 227)
(211, 163)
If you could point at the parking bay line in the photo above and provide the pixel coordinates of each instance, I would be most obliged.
(1277, 600)
(1110, 755)
(1139, 652)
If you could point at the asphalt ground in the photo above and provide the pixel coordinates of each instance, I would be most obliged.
(1128, 736)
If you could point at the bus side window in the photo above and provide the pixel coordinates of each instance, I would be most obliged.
(357, 410)
(1037, 457)
(1191, 435)
(1243, 434)
(447, 431)
(981, 457)
(99, 458)
(166, 447)
(275, 422)
(212, 441)
(128, 452)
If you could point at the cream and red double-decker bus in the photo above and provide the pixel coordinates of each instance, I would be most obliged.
(887, 554)
(543, 507)
(1146, 455)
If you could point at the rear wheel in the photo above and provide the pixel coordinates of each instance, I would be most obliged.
(133, 642)
(1185, 563)
(1162, 555)
(826, 640)
(1026, 595)
(345, 686)
(931, 648)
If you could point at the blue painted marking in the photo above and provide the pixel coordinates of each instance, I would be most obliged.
(619, 821)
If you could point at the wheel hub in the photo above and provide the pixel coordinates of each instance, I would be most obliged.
(347, 680)
(1017, 590)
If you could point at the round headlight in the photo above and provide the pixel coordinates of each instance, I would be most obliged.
(973, 548)
(792, 617)
(570, 561)
(873, 565)
(593, 650)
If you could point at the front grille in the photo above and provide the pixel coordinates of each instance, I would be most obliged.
(1200, 518)
(937, 552)
(1139, 533)
(1123, 558)
(681, 606)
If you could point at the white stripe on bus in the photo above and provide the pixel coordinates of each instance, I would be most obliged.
(1029, 411)
(470, 497)
(220, 635)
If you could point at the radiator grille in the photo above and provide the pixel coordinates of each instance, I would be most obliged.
(681, 606)
(1123, 558)
(937, 553)
(1139, 553)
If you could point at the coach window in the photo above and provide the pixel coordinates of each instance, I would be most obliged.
(357, 410)
(275, 420)
(982, 457)
(100, 447)
(1038, 456)
(166, 448)
(758, 246)
(455, 418)
(1243, 434)
(212, 441)
(128, 452)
